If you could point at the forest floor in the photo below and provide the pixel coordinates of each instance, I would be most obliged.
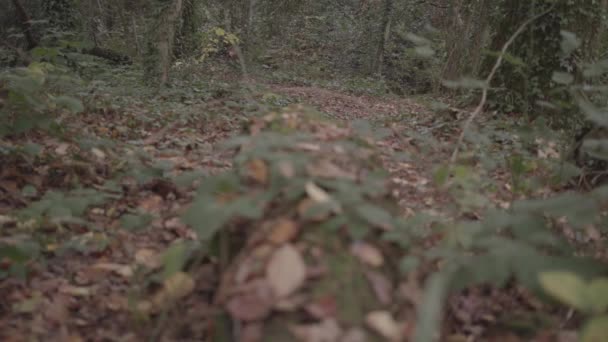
(96, 280)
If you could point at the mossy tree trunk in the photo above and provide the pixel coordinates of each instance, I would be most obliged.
(159, 55)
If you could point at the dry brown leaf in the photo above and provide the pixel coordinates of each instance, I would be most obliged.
(284, 230)
(305, 205)
(383, 323)
(152, 204)
(148, 258)
(291, 303)
(99, 154)
(323, 307)
(326, 331)
(316, 193)
(178, 285)
(286, 169)
(309, 147)
(286, 271)
(76, 291)
(354, 335)
(175, 223)
(253, 305)
(251, 332)
(122, 270)
(367, 254)
(258, 171)
(381, 285)
(62, 149)
(327, 169)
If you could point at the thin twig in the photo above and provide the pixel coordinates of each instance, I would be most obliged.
(488, 80)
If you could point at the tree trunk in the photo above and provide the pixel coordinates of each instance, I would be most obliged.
(26, 22)
(166, 37)
(385, 35)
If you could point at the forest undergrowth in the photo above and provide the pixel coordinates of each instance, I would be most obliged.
(318, 207)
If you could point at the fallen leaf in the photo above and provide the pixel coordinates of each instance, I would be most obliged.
(292, 303)
(286, 169)
(175, 287)
(323, 307)
(62, 149)
(122, 270)
(148, 258)
(381, 285)
(76, 291)
(258, 171)
(367, 254)
(384, 324)
(251, 332)
(99, 154)
(253, 305)
(327, 169)
(286, 271)
(152, 204)
(326, 331)
(284, 230)
(306, 206)
(7, 220)
(316, 193)
(354, 335)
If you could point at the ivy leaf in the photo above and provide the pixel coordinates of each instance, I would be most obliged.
(566, 287)
(562, 78)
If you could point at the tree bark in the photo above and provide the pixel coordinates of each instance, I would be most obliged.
(166, 39)
(385, 35)
(26, 22)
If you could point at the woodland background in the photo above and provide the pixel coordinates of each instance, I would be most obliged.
(326, 170)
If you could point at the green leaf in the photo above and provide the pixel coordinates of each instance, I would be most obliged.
(133, 222)
(70, 103)
(466, 83)
(597, 148)
(562, 78)
(206, 217)
(566, 287)
(174, 259)
(374, 215)
(418, 40)
(597, 295)
(595, 330)
(408, 264)
(32, 149)
(593, 113)
(430, 309)
(570, 42)
(424, 51)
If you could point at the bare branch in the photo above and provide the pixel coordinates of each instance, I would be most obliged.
(484, 95)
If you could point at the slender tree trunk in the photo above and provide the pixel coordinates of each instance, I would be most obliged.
(166, 38)
(26, 22)
(251, 18)
(384, 37)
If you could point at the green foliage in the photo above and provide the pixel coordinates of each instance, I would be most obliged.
(33, 99)
(588, 297)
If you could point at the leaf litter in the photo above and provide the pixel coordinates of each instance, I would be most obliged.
(311, 262)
